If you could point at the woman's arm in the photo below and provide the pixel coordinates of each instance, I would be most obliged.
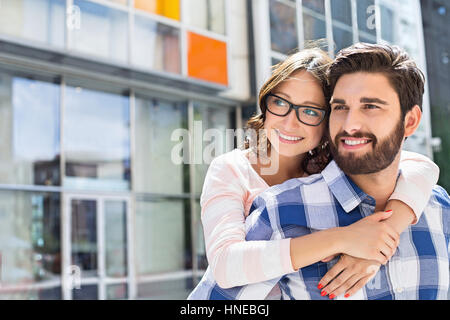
(233, 260)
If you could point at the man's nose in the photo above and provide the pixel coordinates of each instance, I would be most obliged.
(353, 122)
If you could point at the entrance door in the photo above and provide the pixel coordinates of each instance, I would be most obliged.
(96, 247)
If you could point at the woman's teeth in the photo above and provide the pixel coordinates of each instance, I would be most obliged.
(289, 137)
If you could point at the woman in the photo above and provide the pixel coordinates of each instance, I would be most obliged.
(296, 147)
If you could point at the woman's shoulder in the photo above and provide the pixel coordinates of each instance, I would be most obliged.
(235, 158)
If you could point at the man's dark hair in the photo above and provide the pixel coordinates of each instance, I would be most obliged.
(403, 74)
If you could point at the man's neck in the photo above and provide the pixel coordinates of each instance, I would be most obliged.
(379, 185)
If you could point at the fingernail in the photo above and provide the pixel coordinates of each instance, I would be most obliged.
(347, 295)
(388, 211)
(320, 286)
(323, 293)
(332, 296)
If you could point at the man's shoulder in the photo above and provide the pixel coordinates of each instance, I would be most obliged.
(439, 197)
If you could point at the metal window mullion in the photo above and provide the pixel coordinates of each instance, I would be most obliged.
(355, 21)
(192, 183)
(228, 43)
(329, 28)
(101, 248)
(66, 247)
(131, 248)
(67, 31)
(183, 39)
(300, 33)
(130, 32)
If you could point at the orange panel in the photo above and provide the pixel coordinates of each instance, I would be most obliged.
(167, 8)
(207, 59)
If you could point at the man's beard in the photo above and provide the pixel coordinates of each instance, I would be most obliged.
(382, 155)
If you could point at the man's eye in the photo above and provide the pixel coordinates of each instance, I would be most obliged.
(339, 107)
(371, 106)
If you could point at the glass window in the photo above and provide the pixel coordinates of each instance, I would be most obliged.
(207, 59)
(166, 290)
(156, 121)
(366, 17)
(84, 236)
(166, 8)
(110, 39)
(86, 292)
(30, 244)
(213, 122)
(207, 14)
(29, 131)
(96, 140)
(314, 5)
(18, 18)
(283, 27)
(314, 28)
(117, 291)
(161, 235)
(341, 10)
(387, 23)
(342, 38)
(156, 46)
(115, 217)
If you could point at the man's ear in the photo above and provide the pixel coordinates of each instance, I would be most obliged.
(412, 120)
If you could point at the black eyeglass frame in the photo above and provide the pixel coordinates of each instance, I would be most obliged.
(296, 108)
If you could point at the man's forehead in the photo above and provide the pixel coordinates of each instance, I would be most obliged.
(364, 84)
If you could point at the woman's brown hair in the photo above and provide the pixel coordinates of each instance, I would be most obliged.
(315, 61)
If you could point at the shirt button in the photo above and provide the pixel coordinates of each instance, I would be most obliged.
(399, 290)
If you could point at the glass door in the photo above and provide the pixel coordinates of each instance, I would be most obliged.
(95, 247)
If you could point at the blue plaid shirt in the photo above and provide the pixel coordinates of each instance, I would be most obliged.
(418, 270)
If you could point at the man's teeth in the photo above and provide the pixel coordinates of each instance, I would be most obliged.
(355, 142)
(288, 137)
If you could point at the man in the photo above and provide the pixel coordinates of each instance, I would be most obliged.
(376, 97)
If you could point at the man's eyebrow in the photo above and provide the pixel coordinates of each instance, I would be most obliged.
(372, 100)
(336, 100)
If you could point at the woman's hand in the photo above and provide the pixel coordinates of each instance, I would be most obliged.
(347, 276)
(370, 238)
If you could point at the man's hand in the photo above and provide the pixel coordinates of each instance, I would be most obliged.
(347, 276)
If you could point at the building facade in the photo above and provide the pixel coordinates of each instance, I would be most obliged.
(109, 110)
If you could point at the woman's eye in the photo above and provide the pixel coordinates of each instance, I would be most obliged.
(311, 112)
(280, 103)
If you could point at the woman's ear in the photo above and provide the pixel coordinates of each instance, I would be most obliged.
(412, 120)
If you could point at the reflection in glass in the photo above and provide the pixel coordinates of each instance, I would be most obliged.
(387, 23)
(315, 5)
(29, 154)
(341, 10)
(110, 37)
(283, 27)
(366, 17)
(84, 236)
(161, 236)
(156, 46)
(86, 292)
(18, 18)
(342, 38)
(156, 121)
(115, 217)
(96, 140)
(215, 120)
(314, 28)
(207, 14)
(116, 291)
(29, 243)
(165, 290)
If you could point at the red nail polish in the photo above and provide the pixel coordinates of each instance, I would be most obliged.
(388, 211)
(347, 295)
(320, 286)
(323, 293)
(332, 296)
